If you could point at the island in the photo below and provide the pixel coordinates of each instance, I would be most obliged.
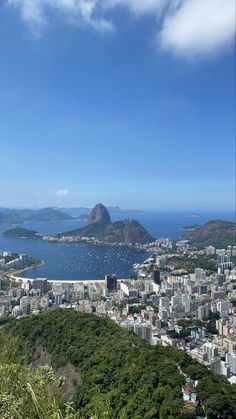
(21, 233)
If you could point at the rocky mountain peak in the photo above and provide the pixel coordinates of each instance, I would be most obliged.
(99, 214)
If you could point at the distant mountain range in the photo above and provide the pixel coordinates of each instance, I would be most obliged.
(77, 212)
(99, 226)
(217, 233)
(12, 216)
(20, 215)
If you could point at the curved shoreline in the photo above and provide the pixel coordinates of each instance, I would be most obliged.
(15, 277)
(27, 268)
(53, 281)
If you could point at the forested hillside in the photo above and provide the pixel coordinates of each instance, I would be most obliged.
(217, 233)
(111, 373)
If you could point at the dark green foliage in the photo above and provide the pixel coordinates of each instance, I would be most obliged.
(209, 323)
(4, 320)
(207, 263)
(182, 334)
(191, 323)
(218, 396)
(136, 309)
(212, 316)
(121, 375)
(211, 327)
(113, 363)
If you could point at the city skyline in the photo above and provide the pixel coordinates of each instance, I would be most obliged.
(111, 102)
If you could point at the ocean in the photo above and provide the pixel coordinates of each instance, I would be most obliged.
(87, 261)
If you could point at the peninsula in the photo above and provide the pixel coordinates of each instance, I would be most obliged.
(218, 233)
(100, 229)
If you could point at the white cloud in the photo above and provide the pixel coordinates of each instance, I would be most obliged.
(139, 7)
(63, 192)
(196, 28)
(35, 13)
(31, 13)
(189, 28)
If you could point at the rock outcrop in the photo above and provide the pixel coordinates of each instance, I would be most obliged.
(99, 214)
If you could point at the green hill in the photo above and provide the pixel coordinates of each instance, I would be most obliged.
(100, 227)
(217, 233)
(129, 231)
(21, 233)
(109, 372)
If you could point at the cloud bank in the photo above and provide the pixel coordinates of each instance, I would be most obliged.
(187, 28)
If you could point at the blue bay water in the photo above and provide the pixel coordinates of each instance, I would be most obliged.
(86, 261)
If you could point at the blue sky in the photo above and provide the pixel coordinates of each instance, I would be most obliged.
(127, 102)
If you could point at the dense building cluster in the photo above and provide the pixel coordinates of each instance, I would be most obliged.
(9, 260)
(195, 312)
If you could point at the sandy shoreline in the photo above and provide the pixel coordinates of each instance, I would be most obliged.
(27, 268)
(15, 276)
